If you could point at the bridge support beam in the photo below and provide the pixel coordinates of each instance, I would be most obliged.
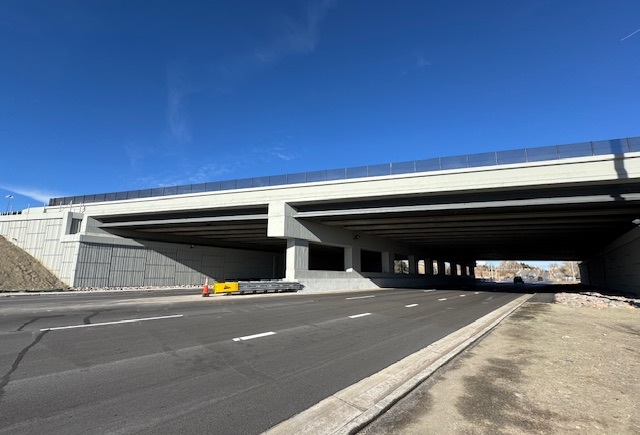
(441, 268)
(413, 265)
(387, 262)
(428, 266)
(352, 259)
(297, 257)
(464, 271)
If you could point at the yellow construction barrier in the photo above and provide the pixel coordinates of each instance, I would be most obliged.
(225, 287)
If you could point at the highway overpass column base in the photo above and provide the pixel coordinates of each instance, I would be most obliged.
(352, 408)
(352, 259)
(441, 268)
(297, 257)
(428, 266)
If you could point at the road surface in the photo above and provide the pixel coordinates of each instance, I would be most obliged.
(170, 363)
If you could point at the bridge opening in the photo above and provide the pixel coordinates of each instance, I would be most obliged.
(401, 264)
(323, 257)
(371, 261)
(530, 271)
(422, 267)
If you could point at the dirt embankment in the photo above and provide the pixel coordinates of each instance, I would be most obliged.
(20, 271)
(563, 368)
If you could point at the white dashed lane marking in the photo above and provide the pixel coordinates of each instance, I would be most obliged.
(411, 305)
(443, 299)
(118, 322)
(251, 337)
(355, 316)
(360, 297)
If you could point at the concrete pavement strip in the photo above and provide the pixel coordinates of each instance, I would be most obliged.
(352, 408)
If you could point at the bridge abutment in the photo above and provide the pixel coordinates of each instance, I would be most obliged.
(617, 267)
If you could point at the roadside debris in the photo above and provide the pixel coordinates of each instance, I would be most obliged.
(596, 300)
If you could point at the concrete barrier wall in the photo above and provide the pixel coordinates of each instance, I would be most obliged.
(98, 260)
(168, 264)
(617, 268)
(327, 281)
(45, 236)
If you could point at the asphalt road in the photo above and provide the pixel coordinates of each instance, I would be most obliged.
(166, 363)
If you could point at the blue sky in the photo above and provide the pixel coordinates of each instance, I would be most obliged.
(104, 96)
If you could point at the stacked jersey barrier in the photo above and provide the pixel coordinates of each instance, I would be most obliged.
(242, 287)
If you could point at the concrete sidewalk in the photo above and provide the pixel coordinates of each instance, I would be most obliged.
(547, 368)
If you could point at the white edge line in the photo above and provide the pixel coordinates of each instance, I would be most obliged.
(360, 297)
(251, 337)
(355, 316)
(59, 328)
(442, 299)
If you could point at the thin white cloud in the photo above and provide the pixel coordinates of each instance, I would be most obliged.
(210, 172)
(286, 157)
(296, 37)
(630, 35)
(177, 90)
(279, 152)
(33, 193)
(228, 167)
(196, 175)
(293, 37)
(135, 153)
(422, 62)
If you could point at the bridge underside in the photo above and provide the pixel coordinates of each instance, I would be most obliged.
(573, 223)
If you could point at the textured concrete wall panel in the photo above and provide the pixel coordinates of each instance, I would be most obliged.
(618, 268)
(38, 233)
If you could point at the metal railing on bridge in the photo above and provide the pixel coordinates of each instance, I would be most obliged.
(524, 155)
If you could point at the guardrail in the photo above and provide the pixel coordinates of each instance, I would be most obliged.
(270, 286)
(524, 155)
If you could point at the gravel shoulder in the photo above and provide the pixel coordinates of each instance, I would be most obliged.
(571, 366)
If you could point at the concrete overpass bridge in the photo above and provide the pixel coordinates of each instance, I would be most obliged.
(356, 227)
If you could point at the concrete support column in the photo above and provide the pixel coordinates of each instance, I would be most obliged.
(472, 269)
(454, 268)
(352, 259)
(297, 257)
(428, 266)
(413, 265)
(463, 269)
(441, 268)
(387, 262)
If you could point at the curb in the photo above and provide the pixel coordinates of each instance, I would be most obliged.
(354, 407)
(7, 293)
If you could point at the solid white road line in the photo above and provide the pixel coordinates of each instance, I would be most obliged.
(360, 297)
(411, 305)
(359, 315)
(443, 299)
(251, 337)
(112, 323)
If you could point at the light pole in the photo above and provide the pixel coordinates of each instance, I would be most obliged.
(9, 198)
